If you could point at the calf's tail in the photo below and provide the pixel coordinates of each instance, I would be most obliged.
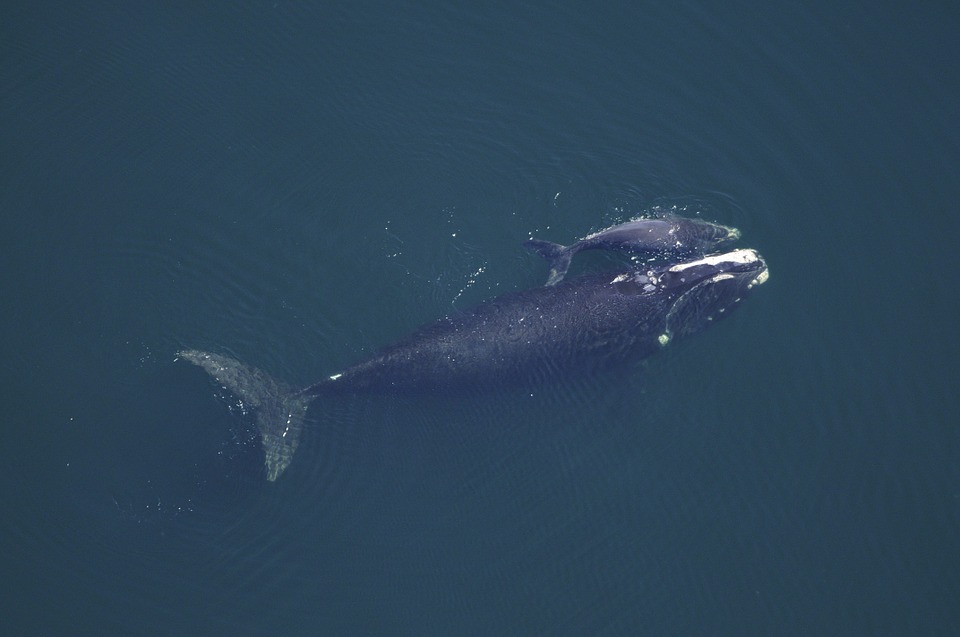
(559, 257)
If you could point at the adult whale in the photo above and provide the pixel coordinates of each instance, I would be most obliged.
(669, 236)
(591, 322)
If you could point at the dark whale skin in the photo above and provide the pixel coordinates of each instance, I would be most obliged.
(524, 336)
(591, 323)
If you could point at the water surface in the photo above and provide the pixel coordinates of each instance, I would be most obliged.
(297, 186)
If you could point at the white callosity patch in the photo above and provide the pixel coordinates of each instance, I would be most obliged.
(737, 257)
(761, 279)
(648, 280)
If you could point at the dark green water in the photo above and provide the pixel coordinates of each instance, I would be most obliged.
(297, 186)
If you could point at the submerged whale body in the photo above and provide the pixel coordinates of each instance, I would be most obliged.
(667, 236)
(587, 323)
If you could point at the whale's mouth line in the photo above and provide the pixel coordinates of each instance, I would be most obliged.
(744, 264)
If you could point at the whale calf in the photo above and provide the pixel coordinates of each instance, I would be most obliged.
(585, 324)
(667, 236)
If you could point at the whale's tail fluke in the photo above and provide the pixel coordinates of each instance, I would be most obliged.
(559, 257)
(278, 411)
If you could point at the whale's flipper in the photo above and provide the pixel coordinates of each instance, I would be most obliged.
(278, 411)
(559, 257)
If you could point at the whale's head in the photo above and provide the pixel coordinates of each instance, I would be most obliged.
(703, 235)
(706, 290)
